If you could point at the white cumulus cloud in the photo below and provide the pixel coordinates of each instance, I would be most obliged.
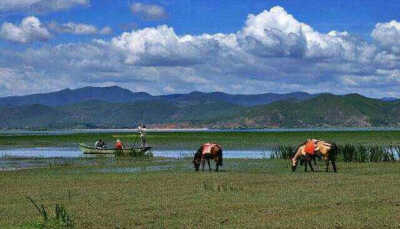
(158, 46)
(30, 29)
(387, 35)
(149, 11)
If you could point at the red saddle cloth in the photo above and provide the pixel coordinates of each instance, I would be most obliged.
(207, 148)
(310, 147)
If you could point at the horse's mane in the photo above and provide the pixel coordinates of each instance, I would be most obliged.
(198, 152)
(297, 148)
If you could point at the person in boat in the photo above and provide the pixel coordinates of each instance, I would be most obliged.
(142, 135)
(119, 145)
(99, 144)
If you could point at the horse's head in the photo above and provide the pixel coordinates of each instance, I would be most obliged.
(295, 157)
(197, 159)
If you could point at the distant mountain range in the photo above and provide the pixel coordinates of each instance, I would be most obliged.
(116, 94)
(115, 107)
(67, 96)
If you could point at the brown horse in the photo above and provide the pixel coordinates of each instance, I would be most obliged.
(325, 150)
(206, 152)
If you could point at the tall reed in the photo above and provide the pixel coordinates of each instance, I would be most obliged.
(283, 152)
(349, 152)
(367, 153)
(61, 219)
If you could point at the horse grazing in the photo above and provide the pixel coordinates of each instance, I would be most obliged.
(313, 148)
(208, 151)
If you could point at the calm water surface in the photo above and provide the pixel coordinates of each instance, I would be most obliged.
(72, 152)
(19, 158)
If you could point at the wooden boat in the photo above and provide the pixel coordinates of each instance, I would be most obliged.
(132, 151)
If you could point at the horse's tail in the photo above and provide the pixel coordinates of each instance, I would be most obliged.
(333, 152)
(220, 157)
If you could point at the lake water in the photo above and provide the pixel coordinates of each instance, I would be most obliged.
(19, 158)
(73, 152)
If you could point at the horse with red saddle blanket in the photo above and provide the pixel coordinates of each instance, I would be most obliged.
(206, 152)
(315, 148)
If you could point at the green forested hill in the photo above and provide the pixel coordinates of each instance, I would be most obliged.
(324, 110)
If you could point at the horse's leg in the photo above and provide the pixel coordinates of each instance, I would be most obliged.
(209, 165)
(309, 162)
(203, 161)
(334, 166)
(327, 166)
(305, 166)
(315, 160)
(216, 166)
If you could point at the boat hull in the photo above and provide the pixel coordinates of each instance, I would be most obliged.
(140, 151)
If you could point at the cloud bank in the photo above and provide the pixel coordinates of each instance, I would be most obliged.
(272, 52)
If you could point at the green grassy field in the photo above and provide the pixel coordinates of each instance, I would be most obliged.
(229, 140)
(169, 194)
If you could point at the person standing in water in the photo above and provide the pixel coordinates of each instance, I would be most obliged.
(142, 135)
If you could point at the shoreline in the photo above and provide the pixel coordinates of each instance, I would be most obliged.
(191, 130)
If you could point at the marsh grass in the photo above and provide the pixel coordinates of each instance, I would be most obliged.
(192, 140)
(61, 218)
(135, 154)
(350, 152)
(283, 152)
(60, 162)
(221, 187)
(368, 153)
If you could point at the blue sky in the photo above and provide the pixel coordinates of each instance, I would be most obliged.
(163, 47)
(208, 16)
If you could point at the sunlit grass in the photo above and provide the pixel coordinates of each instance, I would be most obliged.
(168, 193)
